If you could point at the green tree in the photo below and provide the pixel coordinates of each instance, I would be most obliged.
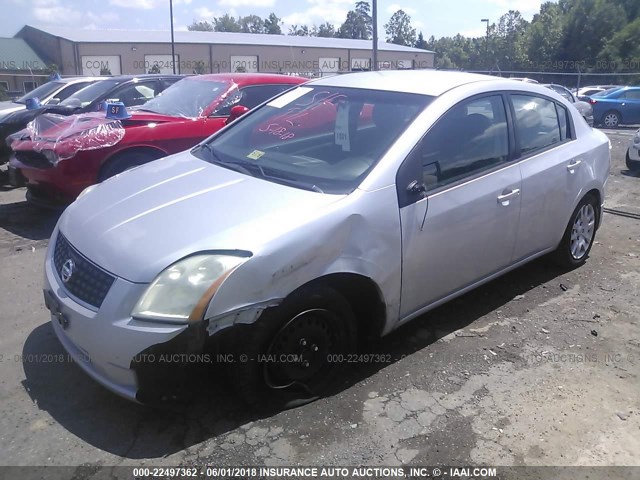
(252, 24)
(622, 51)
(421, 42)
(358, 24)
(325, 30)
(301, 31)
(200, 26)
(272, 25)
(399, 29)
(507, 44)
(544, 36)
(226, 23)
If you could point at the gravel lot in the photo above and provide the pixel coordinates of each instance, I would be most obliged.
(540, 367)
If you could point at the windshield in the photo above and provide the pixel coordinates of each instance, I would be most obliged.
(42, 92)
(324, 139)
(186, 98)
(85, 96)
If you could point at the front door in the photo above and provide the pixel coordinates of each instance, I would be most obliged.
(465, 226)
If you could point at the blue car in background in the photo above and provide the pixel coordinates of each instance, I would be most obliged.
(616, 106)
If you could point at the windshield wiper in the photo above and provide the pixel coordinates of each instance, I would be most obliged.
(289, 180)
(216, 160)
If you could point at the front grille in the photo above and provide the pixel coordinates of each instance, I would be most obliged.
(87, 282)
(33, 159)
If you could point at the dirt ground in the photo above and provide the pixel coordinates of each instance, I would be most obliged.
(540, 367)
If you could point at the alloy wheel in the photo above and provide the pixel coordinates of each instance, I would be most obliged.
(582, 231)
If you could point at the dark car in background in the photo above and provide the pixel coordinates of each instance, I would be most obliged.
(50, 93)
(616, 106)
(57, 157)
(132, 90)
(583, 107)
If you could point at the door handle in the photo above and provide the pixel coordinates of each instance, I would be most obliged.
(506, 197)
(572, 166)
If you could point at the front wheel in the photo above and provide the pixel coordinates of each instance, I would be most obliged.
(295, 353)
(579, 235)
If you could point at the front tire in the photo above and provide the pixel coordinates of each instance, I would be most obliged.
(295, 353)
(580, 233)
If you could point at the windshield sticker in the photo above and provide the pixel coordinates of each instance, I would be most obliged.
(342, 127)
(255, 155)
(287, 98)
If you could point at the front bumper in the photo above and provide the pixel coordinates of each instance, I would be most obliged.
(106, 342)
(55, 185)
(634, 152)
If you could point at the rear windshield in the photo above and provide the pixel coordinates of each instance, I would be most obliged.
(325, 139)
(42, 92)
(186, 98)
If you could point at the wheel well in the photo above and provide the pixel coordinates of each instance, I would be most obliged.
(153, 152)
(598, 196)
(365, 299)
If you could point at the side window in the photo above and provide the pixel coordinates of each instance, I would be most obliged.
(249, 97)
(135, 94)
(255, 95)
(631, 94)
(70, 90)
(469, 138)
(537, 124)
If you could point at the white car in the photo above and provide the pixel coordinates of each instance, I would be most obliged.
(334, 212)
(50, 93)
(633, 152)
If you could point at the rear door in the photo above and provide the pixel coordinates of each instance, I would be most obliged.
(630, 106)
(459, 203)
(552, 170)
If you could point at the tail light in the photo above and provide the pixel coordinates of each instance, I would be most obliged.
(592, 101)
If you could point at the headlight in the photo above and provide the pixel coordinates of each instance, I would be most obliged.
(182, 292)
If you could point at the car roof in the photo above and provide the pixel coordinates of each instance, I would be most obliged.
(142, 76)
(425, 82)
(78, 79)
(248, 78)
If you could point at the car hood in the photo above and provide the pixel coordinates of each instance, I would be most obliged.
(138, 223)
(9, 107)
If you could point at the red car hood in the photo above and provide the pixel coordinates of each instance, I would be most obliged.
(66, 135)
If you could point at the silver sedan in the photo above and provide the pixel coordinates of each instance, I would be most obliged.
(332, 213)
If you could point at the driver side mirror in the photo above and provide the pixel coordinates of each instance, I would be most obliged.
(236, 112)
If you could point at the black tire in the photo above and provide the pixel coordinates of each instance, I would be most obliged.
(123, 162)
(611, 119)
(632, 165)
(579, 235)
(315, 326)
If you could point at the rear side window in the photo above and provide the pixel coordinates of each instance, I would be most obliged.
(563, 121)
(536, 124)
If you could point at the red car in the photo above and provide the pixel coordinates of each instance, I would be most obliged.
(57, 157)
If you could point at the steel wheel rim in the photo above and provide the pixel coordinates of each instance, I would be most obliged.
(582, 231)
(611, 120)
(305, 341)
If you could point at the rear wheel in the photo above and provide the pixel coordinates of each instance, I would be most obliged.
(295, 353)
(579, 235)
(611, 119)
(123, 162)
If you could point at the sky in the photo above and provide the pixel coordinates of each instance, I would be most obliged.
(432, 17)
